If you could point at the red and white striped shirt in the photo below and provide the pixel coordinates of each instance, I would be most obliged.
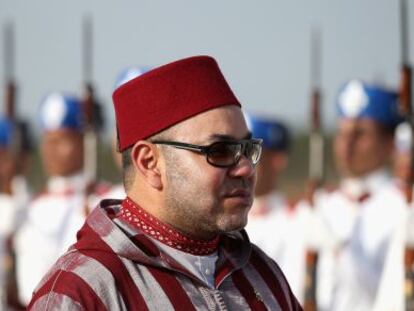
(116, 266)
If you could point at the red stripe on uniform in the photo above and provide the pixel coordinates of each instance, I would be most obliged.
(73, 286)
(106, 256)
(268, 276)
(172, 288)
(246, 289)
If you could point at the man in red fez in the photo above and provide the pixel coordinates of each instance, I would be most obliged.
(177, 241)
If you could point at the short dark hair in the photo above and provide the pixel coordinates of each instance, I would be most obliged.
(127, 168)
(128, 173)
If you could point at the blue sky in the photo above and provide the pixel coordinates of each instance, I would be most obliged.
(263, 47)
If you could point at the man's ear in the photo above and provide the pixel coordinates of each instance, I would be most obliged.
(145, 158)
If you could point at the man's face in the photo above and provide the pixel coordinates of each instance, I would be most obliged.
(62, 152)
(201, 199)
(271, 166)
(360, 146)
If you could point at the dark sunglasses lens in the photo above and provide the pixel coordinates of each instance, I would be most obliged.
(223, 153)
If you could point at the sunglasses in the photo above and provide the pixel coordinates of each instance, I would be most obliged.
(223, 153)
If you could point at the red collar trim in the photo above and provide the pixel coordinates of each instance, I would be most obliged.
(363, 197)
(139, 218)
(360, 199)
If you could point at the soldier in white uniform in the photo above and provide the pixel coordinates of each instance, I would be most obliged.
(56, 214)
(15, 148)
(10, 208)
(14, 196)
(274, 224)
(399, 216)
(349, 275)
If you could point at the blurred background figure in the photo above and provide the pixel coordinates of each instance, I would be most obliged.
(14, 195)
(56, 214)
(15, 153)
(274, 223)
(402, 243)
(117, 191)
(349, 275)
(8, 205)
(15, 149)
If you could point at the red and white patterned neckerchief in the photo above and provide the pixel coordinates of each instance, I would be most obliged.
(139, 218)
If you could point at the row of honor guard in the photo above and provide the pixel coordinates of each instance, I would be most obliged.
(36, 229)
(363, 268)
(359, 229)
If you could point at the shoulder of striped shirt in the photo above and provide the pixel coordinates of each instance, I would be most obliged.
(69, 283)
(75, 274)
(63, 287)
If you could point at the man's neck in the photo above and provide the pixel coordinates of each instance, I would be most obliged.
(74, 182)
(369, 182)
(154, 205)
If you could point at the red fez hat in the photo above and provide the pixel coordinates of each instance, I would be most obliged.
(168, 95)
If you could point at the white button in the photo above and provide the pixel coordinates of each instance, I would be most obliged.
(208, 271)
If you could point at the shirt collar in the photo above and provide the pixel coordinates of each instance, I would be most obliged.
(131, 242)
(370, 183)
(144, 221)
(65, 184)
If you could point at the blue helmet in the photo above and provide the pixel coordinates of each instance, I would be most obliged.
(6, 132)
(357, 99)
(130, 73)
(58, 111)
(275, 135)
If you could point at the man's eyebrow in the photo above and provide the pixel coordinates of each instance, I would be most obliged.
(221, 137)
